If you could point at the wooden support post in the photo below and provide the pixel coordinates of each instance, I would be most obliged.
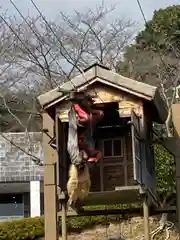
(178, 192)
(61, 142)
(146, 217)
(64, 220)
(176, 123)
(58, 139)
(50, 186)
(62, 165)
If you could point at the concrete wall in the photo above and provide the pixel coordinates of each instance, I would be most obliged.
(15, 164)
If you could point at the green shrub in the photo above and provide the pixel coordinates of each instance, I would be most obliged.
(22, 229)
(27, 228)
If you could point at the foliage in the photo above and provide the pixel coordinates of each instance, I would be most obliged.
(165, 170)
(28, 228)
(37, 55)
(22, 229)
(145, 65)
(140, 65)
(154, 59)
(162, 32)
(32, 228)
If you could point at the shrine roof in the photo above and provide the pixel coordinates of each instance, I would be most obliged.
(100, 73)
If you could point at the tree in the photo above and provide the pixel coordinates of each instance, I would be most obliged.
(38, 55)
(162, 33)
(154, 59)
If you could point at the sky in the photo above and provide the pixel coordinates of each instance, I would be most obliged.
(51, 8)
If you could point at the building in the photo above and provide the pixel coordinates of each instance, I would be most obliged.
(126, 173)
(21, 180)
(124, 135)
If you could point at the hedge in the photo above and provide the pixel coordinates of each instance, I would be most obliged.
(29, 228)
(25, 229)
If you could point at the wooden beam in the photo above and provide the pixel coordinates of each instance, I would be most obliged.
(50, 187)
(58, 139)
(64, 220)
(176, 119)
(61, 143)
(176, 123)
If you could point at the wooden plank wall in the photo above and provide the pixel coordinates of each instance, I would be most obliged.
(119, 175)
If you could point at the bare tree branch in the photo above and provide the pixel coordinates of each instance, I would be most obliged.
(42, 54)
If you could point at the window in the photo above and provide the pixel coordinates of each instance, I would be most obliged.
(107, 146)
(11, 198)
(112, 148)
(11, 206)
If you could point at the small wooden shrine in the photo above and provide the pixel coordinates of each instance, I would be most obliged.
(124, 135)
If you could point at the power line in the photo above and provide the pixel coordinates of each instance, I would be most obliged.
(27, 49)
(140, 7)
(61, 45)
(74, 65)
(14, 32)
(46, 22)
(36, 34)
(35, 159)
(20, 111)
(143, 15)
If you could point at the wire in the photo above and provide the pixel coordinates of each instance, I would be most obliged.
(74, 65)
(40, 40)
(145, 20)
(13, 31)
(35, 33)
(167, 225)
(27, 49)
(140, 7)
(61, 45)
(35, 159)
